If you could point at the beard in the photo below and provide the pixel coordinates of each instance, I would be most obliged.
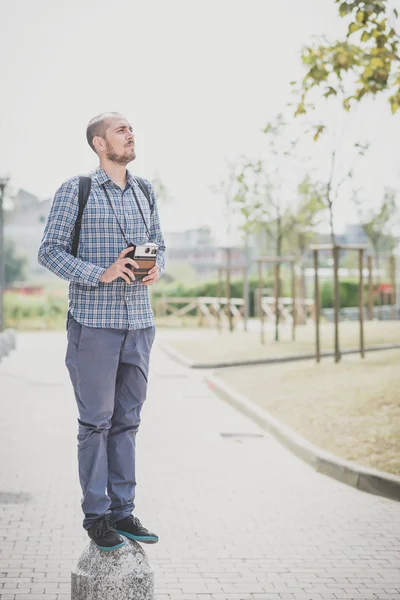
(120, 159)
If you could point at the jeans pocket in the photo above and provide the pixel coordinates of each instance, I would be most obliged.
(74, 332)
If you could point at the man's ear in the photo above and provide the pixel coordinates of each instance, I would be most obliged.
(99, 143)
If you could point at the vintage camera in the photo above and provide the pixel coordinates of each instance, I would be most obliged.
(145, 255)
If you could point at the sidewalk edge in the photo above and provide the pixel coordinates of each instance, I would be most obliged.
(176, 355)
(362, 478)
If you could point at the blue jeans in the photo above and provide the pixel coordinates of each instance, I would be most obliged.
(108, 370)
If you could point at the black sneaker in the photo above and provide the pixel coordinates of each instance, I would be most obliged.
(104, 534)
(132, 528)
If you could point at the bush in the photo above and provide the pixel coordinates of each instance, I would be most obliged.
(34, 312)
(349, 291)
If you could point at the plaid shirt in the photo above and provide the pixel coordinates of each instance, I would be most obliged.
(118, 304)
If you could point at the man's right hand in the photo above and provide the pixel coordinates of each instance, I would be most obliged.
(120, 268)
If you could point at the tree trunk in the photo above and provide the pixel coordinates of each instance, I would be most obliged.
(378, 281)
(277, 279)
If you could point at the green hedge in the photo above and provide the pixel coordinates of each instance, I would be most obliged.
(348, 291)
(349, 294)
(34, 312)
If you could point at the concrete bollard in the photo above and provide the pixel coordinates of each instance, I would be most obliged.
(122, 574)
(7, 342)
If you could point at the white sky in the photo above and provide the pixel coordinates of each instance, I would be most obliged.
(197, 79)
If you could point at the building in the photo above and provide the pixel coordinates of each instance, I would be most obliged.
(25, 225)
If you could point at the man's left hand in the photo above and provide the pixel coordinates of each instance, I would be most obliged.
(152, 276)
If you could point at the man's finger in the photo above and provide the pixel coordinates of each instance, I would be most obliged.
(154, 269)
(150, 278)
(130, 261)
(125, 251)
(129, 273)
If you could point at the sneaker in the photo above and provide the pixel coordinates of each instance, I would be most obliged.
(104, 534)
(132, 528)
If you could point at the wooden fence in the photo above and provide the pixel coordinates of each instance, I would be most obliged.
(210, 311)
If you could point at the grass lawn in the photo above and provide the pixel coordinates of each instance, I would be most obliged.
(351, 409)
(207, 345)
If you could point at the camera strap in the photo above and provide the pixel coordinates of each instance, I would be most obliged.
(141, 213)
(116, 218)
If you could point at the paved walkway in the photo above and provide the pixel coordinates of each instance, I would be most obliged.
(239, 517)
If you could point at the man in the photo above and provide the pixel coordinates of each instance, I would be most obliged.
(110, 324)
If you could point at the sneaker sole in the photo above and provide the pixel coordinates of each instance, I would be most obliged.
(146, 539)
(109, 548)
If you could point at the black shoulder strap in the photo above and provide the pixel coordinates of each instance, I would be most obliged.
(85, 184)
(145, 191)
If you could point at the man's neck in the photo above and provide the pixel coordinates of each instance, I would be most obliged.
(116, 172)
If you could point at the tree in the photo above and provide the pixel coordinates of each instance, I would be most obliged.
(160, 190)
(367, 65)
(378, 225)
(15, 265)
(265, 201)
(226, 188)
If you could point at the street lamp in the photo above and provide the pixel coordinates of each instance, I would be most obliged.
(3, 184)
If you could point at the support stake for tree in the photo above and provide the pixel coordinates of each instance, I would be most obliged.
(393, 282)
(228, 288)
(294, 310)
(370, 290)
(219, 291)
(260, 300)
(336, 297)
(361, 267)
(277, 294)
(316, 308)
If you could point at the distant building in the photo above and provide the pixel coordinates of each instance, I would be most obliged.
(25, 225)
(196, 248)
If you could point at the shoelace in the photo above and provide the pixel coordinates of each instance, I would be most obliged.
(105, 524)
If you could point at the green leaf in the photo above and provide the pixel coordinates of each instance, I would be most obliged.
(365, 36)
(300, 110)
(377, 62)
(330, 92)
(360, 16)
(353, 27)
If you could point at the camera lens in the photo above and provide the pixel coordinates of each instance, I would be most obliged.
(147, 250)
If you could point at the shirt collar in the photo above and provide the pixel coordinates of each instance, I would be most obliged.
(99, 176)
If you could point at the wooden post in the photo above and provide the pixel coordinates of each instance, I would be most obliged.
(277, 294)
(393, 282)
(199, 316)
(260, 299)
(317, 308)
(370, 290)
(245, 297)
(219, 288)
(361, 267)
(228, 288)
(336, 300)
(294, 309)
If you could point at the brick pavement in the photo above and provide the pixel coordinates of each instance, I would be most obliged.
(239, 517)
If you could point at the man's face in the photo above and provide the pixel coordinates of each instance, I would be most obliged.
(120, 141)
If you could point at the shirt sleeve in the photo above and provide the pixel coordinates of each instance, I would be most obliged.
(55, 248)
(156, 233)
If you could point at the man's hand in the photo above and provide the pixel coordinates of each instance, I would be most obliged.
(152, 276)
(120, 269)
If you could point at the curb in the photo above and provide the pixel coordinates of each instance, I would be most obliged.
(362, 478)
(7, 342)
(263, 361)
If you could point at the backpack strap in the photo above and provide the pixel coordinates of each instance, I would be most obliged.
(85, 183)
(145, 191)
